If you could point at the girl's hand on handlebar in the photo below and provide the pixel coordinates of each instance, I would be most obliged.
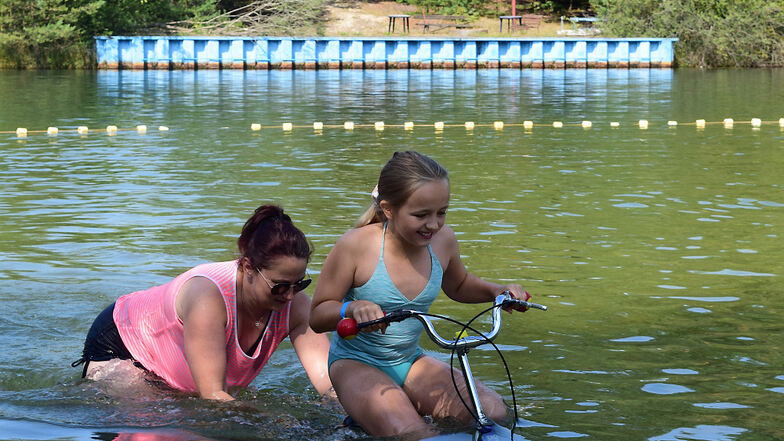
(365, 311)
(517, 292)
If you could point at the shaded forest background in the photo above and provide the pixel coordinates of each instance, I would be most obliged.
(58, 33)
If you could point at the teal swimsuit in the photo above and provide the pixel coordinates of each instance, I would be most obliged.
(395, 351)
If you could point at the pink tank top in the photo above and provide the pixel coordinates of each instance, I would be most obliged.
(152, 331)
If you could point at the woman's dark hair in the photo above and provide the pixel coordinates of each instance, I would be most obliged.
(270, 234)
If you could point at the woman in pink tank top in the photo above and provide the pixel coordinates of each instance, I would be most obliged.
(215, 326)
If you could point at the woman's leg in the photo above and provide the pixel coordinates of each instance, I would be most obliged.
(375, 401)
(430, 388)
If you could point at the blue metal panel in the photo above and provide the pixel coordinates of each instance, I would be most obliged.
(554, 51)
(487, 51)
(639, 52)
(304, 51)
(374, 51)
(575, 51)
(618, 51)
(465, 51)
(260, 51)
(280, 51)
(351, 51)
(532, 52)
(421, 52)
(442, 51)
(328, 51)
(596, 51)
(397, 51)
(510, 51)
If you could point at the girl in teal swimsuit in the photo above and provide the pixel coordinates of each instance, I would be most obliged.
(399, 256)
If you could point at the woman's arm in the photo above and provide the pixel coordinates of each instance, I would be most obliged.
(464, 287)
(312, 349)
(201, 308)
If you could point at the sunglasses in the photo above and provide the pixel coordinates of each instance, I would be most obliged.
(282, 288)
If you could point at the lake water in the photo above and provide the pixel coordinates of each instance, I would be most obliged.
(658, 250)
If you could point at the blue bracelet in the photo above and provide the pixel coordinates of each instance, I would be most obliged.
(343, 309)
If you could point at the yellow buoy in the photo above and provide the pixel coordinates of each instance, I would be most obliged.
(672, 123)
(469, 125)
(163, 128)
(756, 122)
(348, 125)
(498, 125)
(318, 125)
(587, 124)
(82, 129)
(21, 132)
(52, 130)
(141, 128)
(287, 127)
(728, 123)
(255, 127)
(379, 125)
(615, 124)
(408, 125)
(643, 123)
(111, 129)
(781, 122)
(557, 124)
(528, 125)
(700, 123)
(439, 125)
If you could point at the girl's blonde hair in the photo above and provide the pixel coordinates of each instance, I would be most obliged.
(403, 174)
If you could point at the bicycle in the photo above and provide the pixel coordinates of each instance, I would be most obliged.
(485, 429)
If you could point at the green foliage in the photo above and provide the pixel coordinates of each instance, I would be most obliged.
(711, 33)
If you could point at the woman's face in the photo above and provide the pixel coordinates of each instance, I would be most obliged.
(285, 272)
(422, 215)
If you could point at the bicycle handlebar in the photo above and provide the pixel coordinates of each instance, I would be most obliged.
(348, 327)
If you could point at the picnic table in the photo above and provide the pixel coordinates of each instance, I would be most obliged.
(576, 20)
(404, 19)
(432, 23)
(523, 21)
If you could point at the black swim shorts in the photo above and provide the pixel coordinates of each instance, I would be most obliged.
(103, 341)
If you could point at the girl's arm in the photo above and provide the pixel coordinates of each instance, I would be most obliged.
(201, 308)
(312, 349)
(336, 278)
(464, 287)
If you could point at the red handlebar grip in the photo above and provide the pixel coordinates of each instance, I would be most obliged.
(347, 328)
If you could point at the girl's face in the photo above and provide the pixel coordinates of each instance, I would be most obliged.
(422, 214)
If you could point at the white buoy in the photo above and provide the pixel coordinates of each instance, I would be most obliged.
(756, 122)
(82, 130)
(498, 125)
(587, 124)
(287, 127)
(141, 128)
(348, 125)
(408, 125)
(439, 125)
(469, 125)
(643, 123)
(728, 123)
(379, 125)
(781, 122)
(672, 123)
(21, 132)
(318, 125)
(700, 123)
(163, 128)
(52, 130)
(557, 124)
(255, 127)
(615, 124)
(528, 125)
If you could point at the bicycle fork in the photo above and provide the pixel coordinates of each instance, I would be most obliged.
(483, 422)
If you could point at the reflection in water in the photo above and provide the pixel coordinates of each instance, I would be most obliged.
(657, 250)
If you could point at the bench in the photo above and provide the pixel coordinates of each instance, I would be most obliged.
(433, 23)
(525, 21)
